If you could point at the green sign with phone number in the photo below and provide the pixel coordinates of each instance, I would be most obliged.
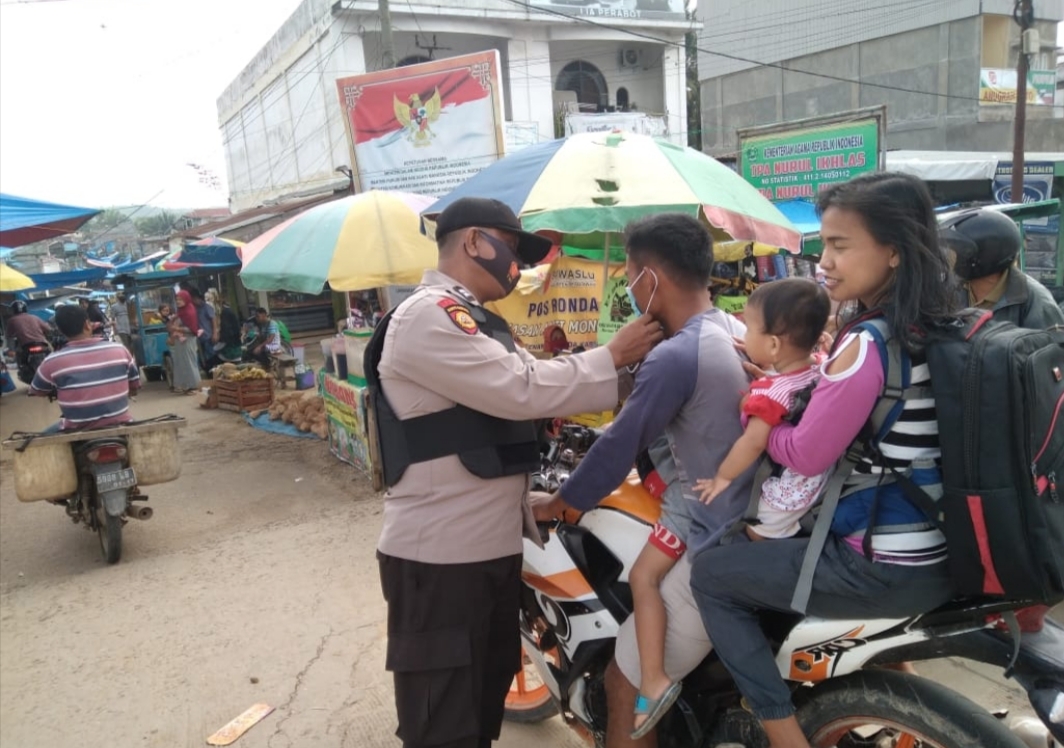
(800, 164)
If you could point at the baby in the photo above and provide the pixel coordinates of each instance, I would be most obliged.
(784, 323)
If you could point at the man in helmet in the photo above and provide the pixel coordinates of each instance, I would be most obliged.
(23, 328)
(986, 244)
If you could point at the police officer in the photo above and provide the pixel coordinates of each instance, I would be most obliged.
(453, 399)
(986, 244)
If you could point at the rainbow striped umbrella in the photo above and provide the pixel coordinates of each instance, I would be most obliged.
(354, 243)
(596, 183)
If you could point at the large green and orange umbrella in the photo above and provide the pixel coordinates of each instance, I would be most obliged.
(354, 243)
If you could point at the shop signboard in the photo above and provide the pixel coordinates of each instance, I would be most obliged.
(1037, 182)
(424, 128)
(637, 122)
(801, 163)
(998, 86)
(345, 417)
(636, 10)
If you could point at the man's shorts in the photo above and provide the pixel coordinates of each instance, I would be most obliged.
(686, 641)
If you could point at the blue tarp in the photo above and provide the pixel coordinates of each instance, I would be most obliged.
(46, 281)
(216, 256)
(802, 214)
(276, 427)
(25, 221)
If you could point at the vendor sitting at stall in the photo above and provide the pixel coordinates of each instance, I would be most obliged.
(267, 340)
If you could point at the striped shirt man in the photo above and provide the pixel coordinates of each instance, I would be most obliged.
(92, 379)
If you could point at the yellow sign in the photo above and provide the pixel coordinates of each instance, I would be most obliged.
(562, 312)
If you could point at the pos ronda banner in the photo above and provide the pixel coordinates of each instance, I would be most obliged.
(785, 164)
(424, 128)
(563, 313)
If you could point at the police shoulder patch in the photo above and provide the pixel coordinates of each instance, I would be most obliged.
(459, 315)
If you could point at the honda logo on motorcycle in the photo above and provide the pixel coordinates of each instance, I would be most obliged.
(818, 661)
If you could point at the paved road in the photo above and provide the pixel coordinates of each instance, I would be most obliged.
(254, 582)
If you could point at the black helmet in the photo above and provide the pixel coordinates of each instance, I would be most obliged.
(19, 307)
(984, 241)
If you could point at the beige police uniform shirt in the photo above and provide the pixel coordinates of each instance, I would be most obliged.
(432, 358)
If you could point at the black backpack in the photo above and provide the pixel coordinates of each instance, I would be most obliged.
(999, 397)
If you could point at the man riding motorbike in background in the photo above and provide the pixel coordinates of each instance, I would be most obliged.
(93, 379)
(24, 331)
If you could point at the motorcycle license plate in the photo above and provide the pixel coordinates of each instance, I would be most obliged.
(115, 481)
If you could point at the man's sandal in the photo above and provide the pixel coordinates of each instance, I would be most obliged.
(654, 709)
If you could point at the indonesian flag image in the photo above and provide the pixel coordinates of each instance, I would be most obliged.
(421, 128)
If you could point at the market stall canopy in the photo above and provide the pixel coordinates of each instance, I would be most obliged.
(46, 281)
(596, 183)
(354, 243)
(957, 166)
(13, 280)
(25, 221)
(210, 253)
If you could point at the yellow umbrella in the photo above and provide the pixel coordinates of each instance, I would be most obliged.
(13, 280)
(363, 241)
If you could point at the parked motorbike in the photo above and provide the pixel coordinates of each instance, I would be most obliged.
(576, 595)
(96, 475)
(30, 356)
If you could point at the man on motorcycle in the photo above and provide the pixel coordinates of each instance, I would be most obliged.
(24, 328)
(684, 408)
(93, 379)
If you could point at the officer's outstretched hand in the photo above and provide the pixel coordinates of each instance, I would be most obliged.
(634, 341)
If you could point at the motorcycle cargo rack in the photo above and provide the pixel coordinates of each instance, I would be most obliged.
(44, 463)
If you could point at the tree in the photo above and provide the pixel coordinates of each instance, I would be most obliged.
(160, 224)
(106, 220)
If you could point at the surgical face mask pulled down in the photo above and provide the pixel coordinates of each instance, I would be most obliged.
(635, 304)
(631, 296)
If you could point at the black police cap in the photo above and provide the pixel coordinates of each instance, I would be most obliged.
(473, 212)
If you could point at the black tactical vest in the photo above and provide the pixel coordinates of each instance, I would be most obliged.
(488, 447)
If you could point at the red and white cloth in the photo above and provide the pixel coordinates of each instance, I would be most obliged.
(784, 498)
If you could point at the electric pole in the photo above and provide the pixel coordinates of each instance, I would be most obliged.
(387, 42)
(1024, 16)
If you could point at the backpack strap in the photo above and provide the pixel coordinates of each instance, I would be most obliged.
(887, 410)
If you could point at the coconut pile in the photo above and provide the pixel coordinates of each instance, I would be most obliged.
(304, 410)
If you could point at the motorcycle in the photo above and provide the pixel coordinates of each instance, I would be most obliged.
(576, 595)
(96, 475)
(30, 356)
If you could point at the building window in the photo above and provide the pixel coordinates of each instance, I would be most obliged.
(412, 60)
(622, 99)
(587, 82)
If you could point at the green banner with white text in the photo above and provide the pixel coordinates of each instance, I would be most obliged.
(800, 164)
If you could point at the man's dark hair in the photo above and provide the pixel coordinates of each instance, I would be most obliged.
(71, 320)
(678, 242)
(260, 310)
(794, 308)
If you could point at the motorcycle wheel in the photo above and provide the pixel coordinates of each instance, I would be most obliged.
(875, 707)
(529, 699)
(109, 530)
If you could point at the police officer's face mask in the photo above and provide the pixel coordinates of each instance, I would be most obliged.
(504, 267)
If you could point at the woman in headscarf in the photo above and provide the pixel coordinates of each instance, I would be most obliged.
(554, 340)
(185, 346)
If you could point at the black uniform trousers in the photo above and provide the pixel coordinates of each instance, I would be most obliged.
(454, 646)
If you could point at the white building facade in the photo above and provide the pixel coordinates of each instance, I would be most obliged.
(283, 127)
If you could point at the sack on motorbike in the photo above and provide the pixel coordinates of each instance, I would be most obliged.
(999, 394)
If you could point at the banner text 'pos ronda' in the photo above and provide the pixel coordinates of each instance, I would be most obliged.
(424, 128)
